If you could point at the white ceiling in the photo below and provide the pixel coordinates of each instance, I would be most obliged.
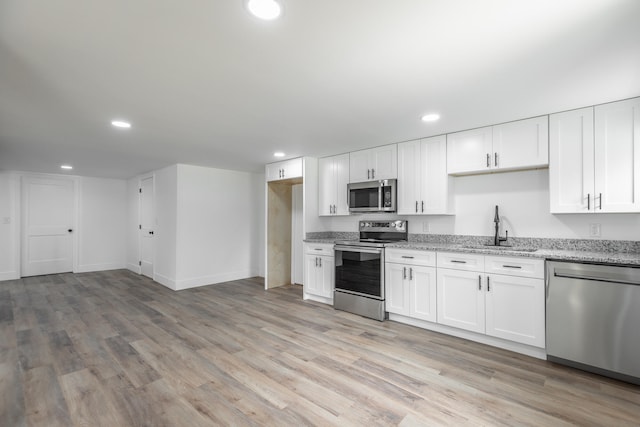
(205, 83)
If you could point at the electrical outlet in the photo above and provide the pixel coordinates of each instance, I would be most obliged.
(594, 230)
(425, 226)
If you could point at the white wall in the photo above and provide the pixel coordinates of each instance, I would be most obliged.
(523, 198)
(9, 226)
(133, 220)
(166, 200)
(217, 234)
(102, 220)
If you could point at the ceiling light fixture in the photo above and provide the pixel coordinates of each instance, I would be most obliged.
(278, 154)
(430, 117)
(121, 124)
(68, 167)
(264, 9)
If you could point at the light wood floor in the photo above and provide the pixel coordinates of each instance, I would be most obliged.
(116, 349)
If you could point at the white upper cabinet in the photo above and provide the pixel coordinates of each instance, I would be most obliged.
(424, 187)
(571, 158)
(374, 164)
(517, 145)
(468, 151)
(333, 179)
(617, 156)
(595, 159)
(286, 169)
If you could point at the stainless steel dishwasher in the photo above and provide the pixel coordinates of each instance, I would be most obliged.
(593, 318)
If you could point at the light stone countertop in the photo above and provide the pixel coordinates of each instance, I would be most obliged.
(622, 258)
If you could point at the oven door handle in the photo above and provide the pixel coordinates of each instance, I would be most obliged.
(358, 249)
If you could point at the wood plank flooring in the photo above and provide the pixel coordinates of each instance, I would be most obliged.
(116, 349)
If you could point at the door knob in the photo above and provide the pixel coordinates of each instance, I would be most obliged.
(70, 230)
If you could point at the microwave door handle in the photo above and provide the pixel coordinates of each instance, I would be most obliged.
(380, 193)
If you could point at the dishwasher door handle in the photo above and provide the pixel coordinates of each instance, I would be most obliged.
(595, 278)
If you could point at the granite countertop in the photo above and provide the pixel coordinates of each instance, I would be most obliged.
(611, 257)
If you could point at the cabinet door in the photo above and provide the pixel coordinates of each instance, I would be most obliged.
(460, 299)
(359, 166)
(515, 309)
(273, 171)
(521, 144)
(326, 186)
(396, 289)
(409, 178)
(311, 285)
(571, 164)
(617, 156)
(341, 170)
(325, 276)
(292, 168)
(422, 293)
(384, 162)
(435, 184)
(469, 151)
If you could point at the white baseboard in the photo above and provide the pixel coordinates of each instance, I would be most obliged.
(213, 279)
(87, 268)
(165, 281)
(311, 297)
(539, 353)
(9, 275)
(135, 268)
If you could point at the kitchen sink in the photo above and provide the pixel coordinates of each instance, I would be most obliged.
(501, 248)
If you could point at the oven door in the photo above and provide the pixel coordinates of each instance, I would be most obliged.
(360, 271)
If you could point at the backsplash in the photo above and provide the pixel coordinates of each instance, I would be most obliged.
(591, 245)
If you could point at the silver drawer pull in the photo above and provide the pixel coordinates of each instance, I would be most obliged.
(511, 266)
(317, 249)
(407, 257)
(458, 261)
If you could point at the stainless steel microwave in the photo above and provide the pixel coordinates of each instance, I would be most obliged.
(372, 196)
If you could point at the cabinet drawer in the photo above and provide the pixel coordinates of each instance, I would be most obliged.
(460, 261)
(411, 256)
(512, 266)
(325, 249)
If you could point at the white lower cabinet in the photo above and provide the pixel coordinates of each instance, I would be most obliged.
(460, 299)
(508, 306)
(410, 282)
(515, 309)
(319, 270)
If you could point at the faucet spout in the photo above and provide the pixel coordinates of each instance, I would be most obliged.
(496, 238)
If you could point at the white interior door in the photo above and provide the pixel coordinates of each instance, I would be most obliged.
(48, 222)
(147, 226)
(296, 235)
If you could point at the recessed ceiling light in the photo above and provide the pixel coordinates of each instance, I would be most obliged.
(264, 9)
(278, 154)
(121, 124)
(430, 117)
(66, 167)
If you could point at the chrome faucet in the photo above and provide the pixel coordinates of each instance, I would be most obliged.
(497, 239)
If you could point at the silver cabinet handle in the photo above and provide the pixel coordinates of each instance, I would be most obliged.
(368, 173)
(511, 266)
(495, 158)
(488, 285)
(600, 198)
(407, 257)
(317, 249)
(316, 261)
(410, 273)
(588, 201)
(404, 272)
(479, 282)
(423, 206)
(373, 173)
(458, 261)
(488, 160)
(320, 262)
(416, 206)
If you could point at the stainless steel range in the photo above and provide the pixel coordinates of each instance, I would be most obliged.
(359, 279)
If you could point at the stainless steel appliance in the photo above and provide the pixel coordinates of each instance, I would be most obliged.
(372, 196)
(593, 318)
(359, 278)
